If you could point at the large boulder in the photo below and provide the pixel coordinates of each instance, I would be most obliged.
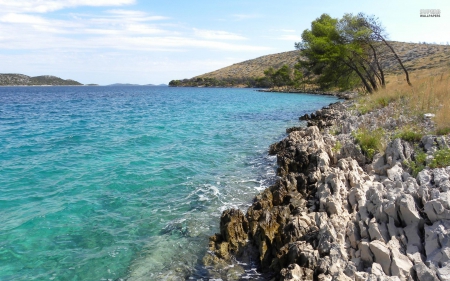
(234, 229)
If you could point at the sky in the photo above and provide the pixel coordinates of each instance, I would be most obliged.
(153, 42)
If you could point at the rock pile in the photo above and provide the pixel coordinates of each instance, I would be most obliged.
(334, 216)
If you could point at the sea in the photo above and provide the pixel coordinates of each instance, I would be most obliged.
(128, 182)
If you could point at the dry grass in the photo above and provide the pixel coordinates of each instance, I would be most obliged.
(430, 93)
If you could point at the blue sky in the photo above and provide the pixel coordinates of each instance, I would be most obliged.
(135, 41)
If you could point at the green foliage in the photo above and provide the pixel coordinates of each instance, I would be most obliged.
(175, 83)
(410, 134)
(364, 107)
(371, 142)
(325, 52)
(282, 77)
(285, 76)
(211, 82)
(382, 101)
(443, 131)
(345, 52)
(418, 164)
(337, 147)
(441, 159)
(367, 104)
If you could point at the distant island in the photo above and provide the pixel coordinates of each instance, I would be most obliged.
(14, 79)
(128, 84)
(44, 80)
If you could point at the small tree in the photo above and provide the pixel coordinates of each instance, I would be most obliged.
(342, 51)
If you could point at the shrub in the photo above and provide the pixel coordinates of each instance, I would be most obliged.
(441, 159)
(337, 147)
(382, 101)
(370, 142)
(410, 134)
(418, 164)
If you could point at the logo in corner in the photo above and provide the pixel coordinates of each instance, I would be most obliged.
(430, 13)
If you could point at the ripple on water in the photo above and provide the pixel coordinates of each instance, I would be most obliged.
(111, 182)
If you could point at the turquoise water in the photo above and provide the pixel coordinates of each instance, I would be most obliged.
(115, 183)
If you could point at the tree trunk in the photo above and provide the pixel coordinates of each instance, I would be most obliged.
(383, 82)
(370, 77)
(399, 61)
(368, 88)
(374, 84)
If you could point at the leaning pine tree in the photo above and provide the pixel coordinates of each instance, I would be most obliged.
(346, 52)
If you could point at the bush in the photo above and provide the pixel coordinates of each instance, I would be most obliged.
(418, 164)
(370, 142)
(441, 159)
(410, 134)
(337, 147)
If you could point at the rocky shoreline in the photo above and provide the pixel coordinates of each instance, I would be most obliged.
(341, 95)
(335, 215)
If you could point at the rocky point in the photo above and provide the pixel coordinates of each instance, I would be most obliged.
(335, 215)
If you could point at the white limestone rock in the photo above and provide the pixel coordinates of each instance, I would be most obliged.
(437, 209)
(381, 255)
(398, 151)
(407, 209)
(395, 173)
(437, 242)
(440, 175)
(428, 142)
(424, 273)
(424, 178)
(401, 266)
(444, 272)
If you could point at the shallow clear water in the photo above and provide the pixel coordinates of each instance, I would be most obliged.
(101, 183)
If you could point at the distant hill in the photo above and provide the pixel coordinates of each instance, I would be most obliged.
(239, 74)
(128, 84)
(24, 80)
(253, 68)
(415, 57)
(123, 84)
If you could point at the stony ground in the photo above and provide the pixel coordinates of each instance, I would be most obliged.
(335, 215)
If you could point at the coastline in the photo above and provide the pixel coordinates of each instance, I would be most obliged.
(341, 95)
(336, 215)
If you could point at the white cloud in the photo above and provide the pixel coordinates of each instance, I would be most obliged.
(106, 41)
(217, 34)
(167, 43)
(44, 6)
(27, 32)
(112, 29)
(22, 18)
(134, 15)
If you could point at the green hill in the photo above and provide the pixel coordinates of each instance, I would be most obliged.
(44, 80)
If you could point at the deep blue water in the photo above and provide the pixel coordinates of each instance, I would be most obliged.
(112, 183)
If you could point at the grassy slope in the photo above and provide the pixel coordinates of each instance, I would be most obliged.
(253, 68)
